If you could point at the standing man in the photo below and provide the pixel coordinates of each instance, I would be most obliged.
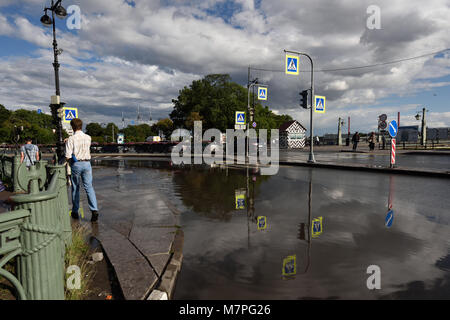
(29, 152)
(79, 156)
(355, 140)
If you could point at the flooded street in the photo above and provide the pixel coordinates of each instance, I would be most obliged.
(229, 254)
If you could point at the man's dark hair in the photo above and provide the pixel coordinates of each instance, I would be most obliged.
(28, 139)
(76, 124)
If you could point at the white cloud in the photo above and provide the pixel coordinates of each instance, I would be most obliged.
(127, 55)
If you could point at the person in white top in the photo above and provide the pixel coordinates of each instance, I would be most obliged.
(78, 155)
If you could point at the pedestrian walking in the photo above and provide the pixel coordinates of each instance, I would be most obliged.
(371, 141)
(355, 140)
(29, 152)
(79, 157)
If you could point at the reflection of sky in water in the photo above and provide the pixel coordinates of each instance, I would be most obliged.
(226, 256)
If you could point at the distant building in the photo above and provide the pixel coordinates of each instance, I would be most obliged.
(408, 134)
(292, 135)
(438, 134)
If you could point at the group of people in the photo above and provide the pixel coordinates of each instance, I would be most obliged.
(371, 139)
(78, 156)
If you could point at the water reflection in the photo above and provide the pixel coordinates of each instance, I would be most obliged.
(227, 257)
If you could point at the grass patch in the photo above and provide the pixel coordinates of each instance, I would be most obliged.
(78, 254)
(7, 290)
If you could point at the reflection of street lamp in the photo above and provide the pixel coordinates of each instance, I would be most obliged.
(58, 9)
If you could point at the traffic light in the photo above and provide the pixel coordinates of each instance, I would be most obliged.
(60, 113)
(304, 99)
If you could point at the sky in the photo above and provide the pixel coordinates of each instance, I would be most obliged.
(141, 53)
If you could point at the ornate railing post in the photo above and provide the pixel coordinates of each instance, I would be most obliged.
(63, 200)
(10, 246)
(15, 172)
(41, 263)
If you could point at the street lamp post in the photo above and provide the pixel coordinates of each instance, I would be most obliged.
(250, 109)
(311, 148)
(57, 9)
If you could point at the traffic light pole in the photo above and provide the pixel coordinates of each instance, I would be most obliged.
(311, 147)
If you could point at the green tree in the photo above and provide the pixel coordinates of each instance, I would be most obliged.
(109, 132)
(94, 129)
(215, 99)
(165, 125)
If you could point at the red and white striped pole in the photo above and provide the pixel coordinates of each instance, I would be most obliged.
(392, 152)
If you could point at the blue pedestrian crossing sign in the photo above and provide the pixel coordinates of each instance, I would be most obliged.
(39, 111)
(319, 105)
(70, 114)
(240, 117)
(262, 93)
(393, 128)
(292, 64)
(389, 218)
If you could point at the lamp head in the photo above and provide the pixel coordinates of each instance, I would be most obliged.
(417, 116)
(60, 12)
(46, 20)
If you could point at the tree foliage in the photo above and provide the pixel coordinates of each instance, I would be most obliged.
(215, 100)
(36, 126)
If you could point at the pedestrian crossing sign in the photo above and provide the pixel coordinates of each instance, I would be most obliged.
(319, 104)
(240, 201)
(292, 64)
(316, 227)
(262, 93)
(69, 114)
(289, 266)
(262, 223)
(240, 117)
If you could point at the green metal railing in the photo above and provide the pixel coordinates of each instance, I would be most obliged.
(37, 232)
(9, 168)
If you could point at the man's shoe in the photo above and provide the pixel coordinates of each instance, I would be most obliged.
(94, 217)
(75, 215)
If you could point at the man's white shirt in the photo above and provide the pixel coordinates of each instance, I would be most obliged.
(80, 145)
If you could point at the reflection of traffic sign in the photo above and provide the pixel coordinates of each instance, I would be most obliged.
(70, 114)
(316, 227)
(262, 93)
(382, 125)
(262, 223)
(254, 124)
(389, 218)
(319, 104)
(240, 117)
(240, 199)
(120, 138)
(289, 266)
(292, 64)
(393, 128)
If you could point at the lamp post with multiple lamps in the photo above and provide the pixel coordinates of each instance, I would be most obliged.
(56, 9)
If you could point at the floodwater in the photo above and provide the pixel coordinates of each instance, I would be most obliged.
(230, 254)
(414, 161)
